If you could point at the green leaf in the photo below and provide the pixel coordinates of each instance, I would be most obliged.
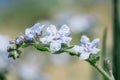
(69, 47)
(58, 52)
(65, 46)
(40, 48)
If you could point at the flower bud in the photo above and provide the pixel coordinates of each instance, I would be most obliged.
(19, 40)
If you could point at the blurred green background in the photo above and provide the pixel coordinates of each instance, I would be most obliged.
(89, 17)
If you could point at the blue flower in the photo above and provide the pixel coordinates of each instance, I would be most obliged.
(19, 40)
(87, 47)
(31, 33)
(56, 38)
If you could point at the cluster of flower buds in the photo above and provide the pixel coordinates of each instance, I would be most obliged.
(31, 35)
(56, 41)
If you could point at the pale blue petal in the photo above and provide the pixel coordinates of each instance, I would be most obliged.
(29, 37)
(94, 43)
(64, 30)
(81, 49)
(84, 56)
(77, 49)
(58, 41)
(55, 46)
(84, 40)
(66, 39)
(29, 34)
(46, 39)
(38, 28)
(52, 29)
(37, 25)
(95, 50)
(29, 31)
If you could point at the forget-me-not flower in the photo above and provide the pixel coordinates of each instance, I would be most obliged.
(30, 33)
(56, 38)
(87, 47)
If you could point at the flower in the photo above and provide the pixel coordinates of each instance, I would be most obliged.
(33, 31)
(56, 38)
(87, 47)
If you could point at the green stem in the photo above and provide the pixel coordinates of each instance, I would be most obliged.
(72, 53)
(111, 74)
(102, 71)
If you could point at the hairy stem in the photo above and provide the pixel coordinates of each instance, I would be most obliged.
(101, 70)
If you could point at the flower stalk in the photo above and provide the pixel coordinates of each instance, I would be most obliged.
(101, 70)
(57, 42)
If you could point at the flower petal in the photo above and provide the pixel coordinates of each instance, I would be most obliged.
(52, 29)
(28, 31)
(65, 30)
(55, 46)
(94, 43)
(46, 39)
(76, 49)
(84, 40)
(29, 37)
(66, 39)
(36, 25)
(84, 56)
(95, 50)
(29, 34)
(38, 28)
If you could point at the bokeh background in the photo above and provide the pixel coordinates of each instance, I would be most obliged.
(89, 17)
